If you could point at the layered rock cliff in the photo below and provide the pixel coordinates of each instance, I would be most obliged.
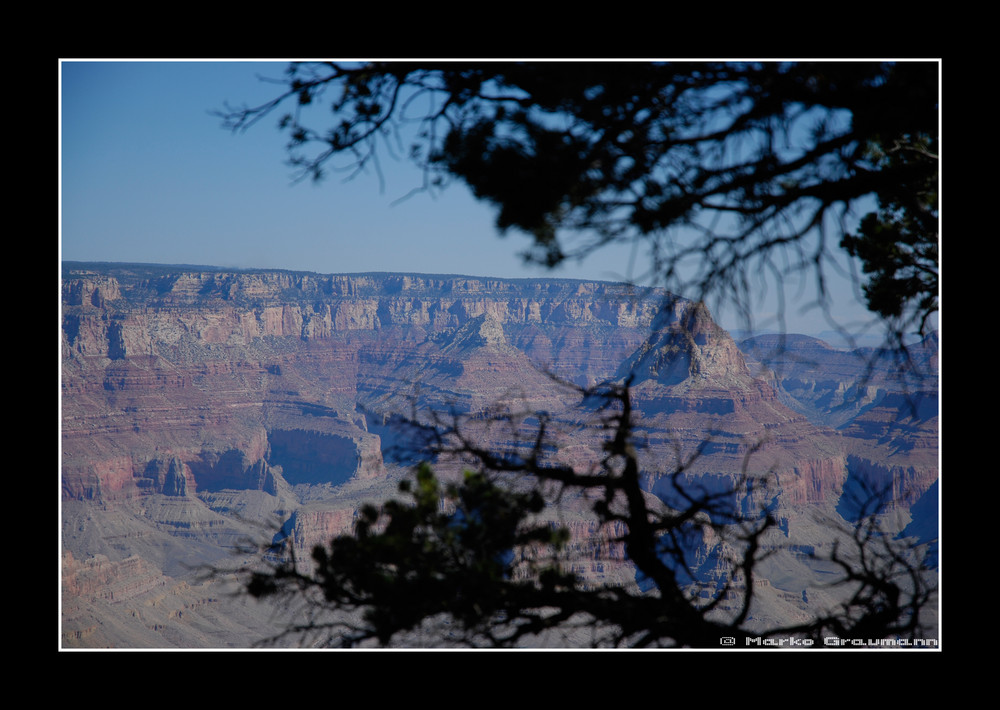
(207, 380)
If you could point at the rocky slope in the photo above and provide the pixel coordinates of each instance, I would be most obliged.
(884, 405)
(202, 407)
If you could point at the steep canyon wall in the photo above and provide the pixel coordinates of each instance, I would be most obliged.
(200, 405)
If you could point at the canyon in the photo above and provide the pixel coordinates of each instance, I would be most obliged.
(204, 407)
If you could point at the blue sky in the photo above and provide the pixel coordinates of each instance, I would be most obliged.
(149, 175)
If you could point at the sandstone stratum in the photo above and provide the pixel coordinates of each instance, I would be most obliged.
(202, 407)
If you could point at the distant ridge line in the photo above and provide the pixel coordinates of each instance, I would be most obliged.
(70, 266)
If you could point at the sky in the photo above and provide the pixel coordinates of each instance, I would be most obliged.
(149, 175)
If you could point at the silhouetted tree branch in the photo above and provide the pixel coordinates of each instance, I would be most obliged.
(475, 560)
(732, 175)
(729, 172)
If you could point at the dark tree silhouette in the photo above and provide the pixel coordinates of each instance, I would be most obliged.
(726, 172)
(472, 562)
